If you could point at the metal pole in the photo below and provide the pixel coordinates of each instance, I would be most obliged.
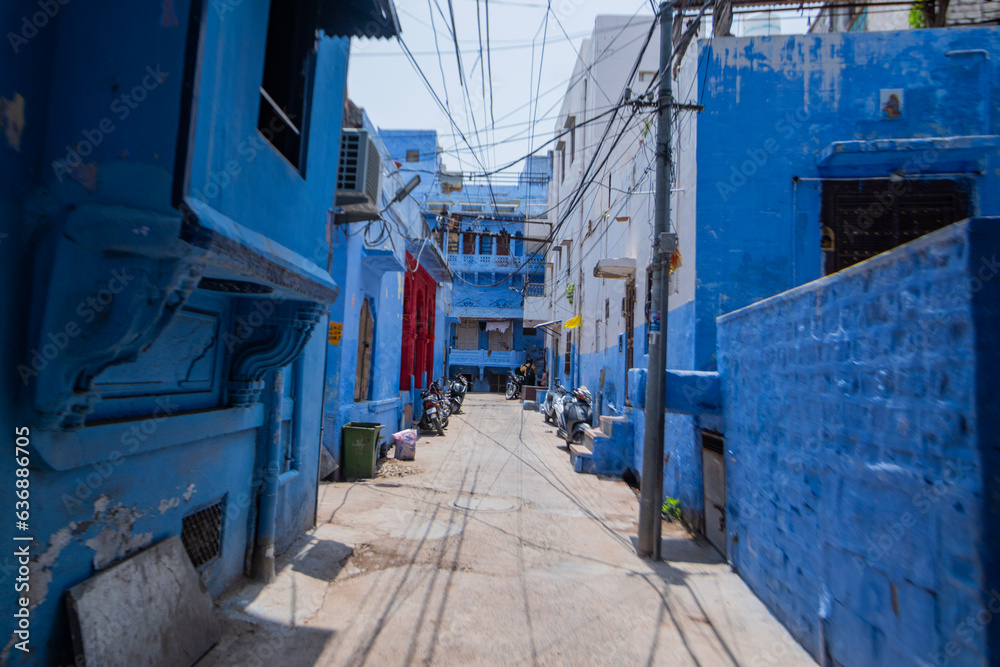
(651, 497)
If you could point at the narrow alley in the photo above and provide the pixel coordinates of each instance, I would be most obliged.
(489, 549)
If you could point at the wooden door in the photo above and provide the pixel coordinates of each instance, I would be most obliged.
(467, 336)
(365, 334)
(628, 313)
(502, 341)
(713, 471)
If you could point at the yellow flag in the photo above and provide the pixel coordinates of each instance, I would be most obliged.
(573, 322)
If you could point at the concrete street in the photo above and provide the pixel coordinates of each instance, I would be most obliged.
(489, 549)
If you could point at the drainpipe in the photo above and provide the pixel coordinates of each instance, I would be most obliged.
(262, 566)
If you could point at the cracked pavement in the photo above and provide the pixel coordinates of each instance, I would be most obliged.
(491, 550)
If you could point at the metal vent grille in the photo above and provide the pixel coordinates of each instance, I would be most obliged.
(202, 534)
(350, 154)
(712, 441)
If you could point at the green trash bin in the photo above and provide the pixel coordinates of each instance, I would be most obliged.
(360, 448)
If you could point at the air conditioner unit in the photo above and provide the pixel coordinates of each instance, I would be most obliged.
(358, 172)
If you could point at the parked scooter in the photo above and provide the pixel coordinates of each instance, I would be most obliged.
(514, 383)
(575, 414)
(553, 397)
(434, 415)
(457, 390)
(443, 401)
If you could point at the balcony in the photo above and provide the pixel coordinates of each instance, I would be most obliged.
(487, 358)
(534, 289)
(493, 262)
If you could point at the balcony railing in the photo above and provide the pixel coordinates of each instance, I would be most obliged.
(494, 262)
(484, 358)
(534, 289)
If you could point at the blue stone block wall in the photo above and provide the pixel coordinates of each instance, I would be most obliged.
(861, 469)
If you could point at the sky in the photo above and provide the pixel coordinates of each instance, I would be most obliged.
(531, 57)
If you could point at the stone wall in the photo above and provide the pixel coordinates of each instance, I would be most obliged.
(862, 466)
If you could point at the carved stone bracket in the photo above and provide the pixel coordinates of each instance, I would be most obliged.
(273, 343)
(107, 281)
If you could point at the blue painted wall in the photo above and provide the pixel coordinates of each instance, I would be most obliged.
(161, 441)
(263, 186)
(861, 466)
(375, 274)
(773, 104)
(384, 291)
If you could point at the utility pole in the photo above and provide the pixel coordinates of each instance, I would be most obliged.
(651, 497)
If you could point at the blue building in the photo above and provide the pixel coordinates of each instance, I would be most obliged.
(827, 320)
(482, 227)
(377, 254)
(821, 161)
(168, 173)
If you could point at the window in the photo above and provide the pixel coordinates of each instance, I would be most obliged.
(529, 331)
(503, 243)
(571, 126)
(366, 327)
(646, 77)
(453, 236)
(468, 242)
(567, 359)
(288, 63)
(561, 149)
(485, 244)
(413, 156)
(861, 219)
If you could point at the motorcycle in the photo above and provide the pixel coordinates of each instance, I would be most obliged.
(443, 400)
(435, 415)
(574, 415)
(457, 390)
(553, 397)
(514, 382)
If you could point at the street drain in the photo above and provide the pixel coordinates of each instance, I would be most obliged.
(484, 504)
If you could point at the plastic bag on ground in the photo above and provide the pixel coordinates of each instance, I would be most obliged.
(406, 444)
